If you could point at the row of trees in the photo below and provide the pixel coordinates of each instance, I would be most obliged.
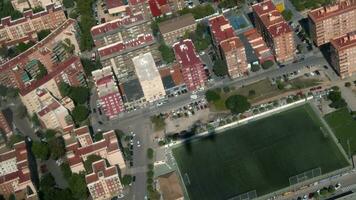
(235, 103)
(54, 147)
(86, 22)
(198, 12)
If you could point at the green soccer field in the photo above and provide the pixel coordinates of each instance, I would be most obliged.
(261, 155)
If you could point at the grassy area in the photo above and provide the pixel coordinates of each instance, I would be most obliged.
(301, 5)
(344, 127)
(261, 155)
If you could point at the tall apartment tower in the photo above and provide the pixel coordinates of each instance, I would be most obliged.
(332, 21)
(276, 32)
(343, 54)
(235, 56)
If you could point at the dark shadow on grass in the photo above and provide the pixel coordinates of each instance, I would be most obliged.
(188, 146)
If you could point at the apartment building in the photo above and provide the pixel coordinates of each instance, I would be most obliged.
(122, 29)
(119, 55)
(149, 77)
(332, 21)
(229, 46)
(159, 7)
(140, 6)
(53, 114)
(258, 45)
(110, 99)
(190, 64)
(26, 28)
(71, 72)
(276, 32)
(172, 79)
(49, 52)
(5, 125)
(22, 5)
(79, 145)
(174, 29)
(343, 54)
(115, 7)
(104, 182)
(15, 175)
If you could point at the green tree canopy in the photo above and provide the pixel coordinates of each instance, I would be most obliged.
(255, 68)
(42, 34)
(212, 95)
(68, 3)
(80, 95)
(6, 9)
(47, 181)
(80, 113)
(64, 89)
(14, 138)
(237, 104)
(198, 12)
(57, 147)
(42, 71)
(78, 186)
(220, 68)
(267, 64)
(287, 14)
(167, 53)
(40, 150)
(90, 66)
(126, 179)
(150, 153)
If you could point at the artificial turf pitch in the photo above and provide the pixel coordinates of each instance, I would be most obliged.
(261, 155)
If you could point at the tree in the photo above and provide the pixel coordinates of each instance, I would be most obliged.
(159, 122)
(80, 113)
(42, 34)
(67, 173)
(6, 9)
(21, 111)
(89, 161)
(21, 47)
(237, 104)
(251, 93)
(68, 46)
(267, 64)
(3, 90)
(287, 14)
(57, 147)
(220, 68)
(150, 153)
(126, 179)
(86, 22)
(347, 84)
(47, 181)
(212, 96)
(14, 138)
(68, 3)
(73, 14)
(89, 66)
(230, 3)
(35, 121)
(64, 89)
(167, 53)
(40, 150)
(198, 12)
(37, 9)
(12, 197)
(79, 95)
(42, 71)
(78, 186)
(255, 68)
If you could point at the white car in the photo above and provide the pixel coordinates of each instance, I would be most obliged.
(138, 144)
(337, 186)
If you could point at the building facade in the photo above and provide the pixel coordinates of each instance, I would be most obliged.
(229, 46)
(332, 21)
(110, 99)
(49, 52)
(174, 29)
(26, 28)
(276, 32)
(190, 64)
(5, 126)
(79, 145)
(22, 5)
(15, 175)
(104, 182)
(149, 77)
(343, 54)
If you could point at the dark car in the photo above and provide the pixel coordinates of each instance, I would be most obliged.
(100, 122)
(325, 67)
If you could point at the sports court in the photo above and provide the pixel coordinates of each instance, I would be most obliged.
(259, 157)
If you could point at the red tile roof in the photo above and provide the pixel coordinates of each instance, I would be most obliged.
(345, 41)
(338, 8)
(231, 44)
(158, 7)
(51, 107)
(220, 28)
(100, 166)
(116, 24)
(114, 3)
(174, 72)
(122, 46)
(271, 18)
(134, 2)
(185, 53)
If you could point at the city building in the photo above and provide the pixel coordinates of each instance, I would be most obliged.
(140, 6)
(15, 174)
(190, 64)
(172, 79)
(51, 51)
(22, 5)
(109, 97)
(79, 145)
(258, 46)
(119, 55)
(115, 7)
(174, 29)
(229, 46)
(332, 21)
(159, 7)
(121, 29)
(276, 32)
(343, 54)
(132, 94)
(149, 77)
(70, 71)
(5, 124)
(104, 182)
(53, 114)
(170, 186)
(26, 28)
